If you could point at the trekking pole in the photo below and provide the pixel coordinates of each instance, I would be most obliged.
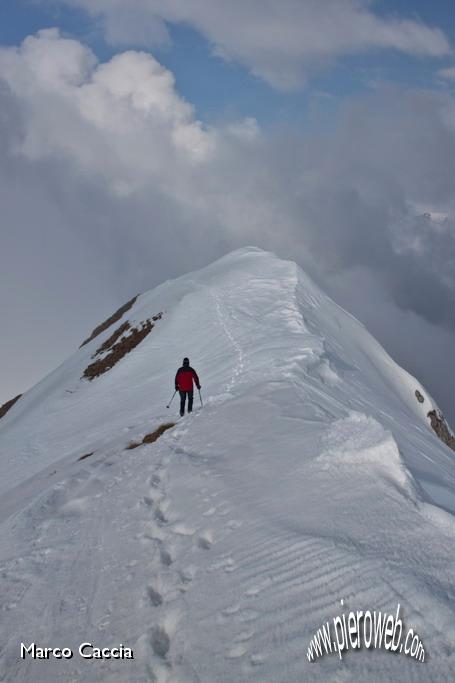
(200, 398)
(168, 405)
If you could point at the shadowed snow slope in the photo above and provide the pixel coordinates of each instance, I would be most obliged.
(311, 475)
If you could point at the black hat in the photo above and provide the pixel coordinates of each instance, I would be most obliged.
(186, 361)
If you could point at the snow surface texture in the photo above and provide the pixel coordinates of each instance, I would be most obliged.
(311, 475)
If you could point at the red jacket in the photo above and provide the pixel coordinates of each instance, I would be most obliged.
(184, 379)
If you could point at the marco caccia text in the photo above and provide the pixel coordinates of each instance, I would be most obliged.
(85, 650)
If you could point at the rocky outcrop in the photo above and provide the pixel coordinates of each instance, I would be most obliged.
(118, 349)
(438, 423)
(110, 341)
(86, 455)
(153, 436)
(441, 428)
(9, 404)
(110, 321)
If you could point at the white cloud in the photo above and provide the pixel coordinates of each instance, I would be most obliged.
(122, 119)
(281, 42)
(109, 185)
(123, 122)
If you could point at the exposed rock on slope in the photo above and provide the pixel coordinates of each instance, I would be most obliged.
(441, 428)
(110, 341)
(9, 404)
(153, 436)
(438, 423)
(110, 321)
(119, 349)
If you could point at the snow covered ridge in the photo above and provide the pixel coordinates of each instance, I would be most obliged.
(216, 552)
(125, 338)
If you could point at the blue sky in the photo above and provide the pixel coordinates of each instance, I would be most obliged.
(222, 90)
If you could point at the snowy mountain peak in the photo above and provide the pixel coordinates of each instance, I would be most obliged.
(247, 319)
(312, 473)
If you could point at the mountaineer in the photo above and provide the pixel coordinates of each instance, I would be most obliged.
(184, 385)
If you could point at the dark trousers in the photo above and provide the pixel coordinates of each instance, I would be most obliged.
(183, 395)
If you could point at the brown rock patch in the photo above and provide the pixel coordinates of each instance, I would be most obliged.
(133, 444)
(9, 404)
(112, 339)
(110, 321)
(118, 349)
(153, 436)
(87, 455)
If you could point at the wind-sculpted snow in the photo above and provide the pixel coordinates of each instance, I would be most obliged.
(311, 475)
